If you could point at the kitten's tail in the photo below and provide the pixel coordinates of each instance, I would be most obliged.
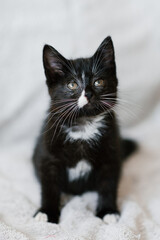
(128, 146)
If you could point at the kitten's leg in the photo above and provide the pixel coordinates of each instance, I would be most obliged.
(50, 193)
(107, 182)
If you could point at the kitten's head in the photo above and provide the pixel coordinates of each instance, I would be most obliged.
(85, 86)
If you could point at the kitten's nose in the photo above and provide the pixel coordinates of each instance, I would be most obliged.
(88, 94)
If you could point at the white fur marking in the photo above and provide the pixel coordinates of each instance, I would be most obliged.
(111, 218)
(41, 217)
(82, 100)
(83, 76)
(80, 170)
(89, 131)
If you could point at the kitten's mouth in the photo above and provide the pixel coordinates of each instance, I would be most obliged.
(89, 104)
(82, 101)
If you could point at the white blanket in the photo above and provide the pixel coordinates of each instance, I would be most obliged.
(76, 28)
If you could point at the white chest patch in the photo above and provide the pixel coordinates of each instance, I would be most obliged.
(89, 131)
(80, 170)
(82, 100)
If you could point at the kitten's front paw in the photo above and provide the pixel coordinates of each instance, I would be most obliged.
(111, 218)
(109, 215)
(43, 215)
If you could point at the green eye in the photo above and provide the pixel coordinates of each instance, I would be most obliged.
(72, 85)
(99, 83)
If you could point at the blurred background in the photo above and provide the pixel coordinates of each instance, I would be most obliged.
(75, 29)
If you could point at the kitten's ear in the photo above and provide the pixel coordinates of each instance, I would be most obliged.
(54, 64)
(105, 53)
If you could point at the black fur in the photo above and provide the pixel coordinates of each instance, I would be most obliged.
(54, 154)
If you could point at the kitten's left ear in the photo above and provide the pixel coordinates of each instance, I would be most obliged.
(105, 53)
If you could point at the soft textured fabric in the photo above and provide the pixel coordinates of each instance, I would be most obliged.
(76, 28)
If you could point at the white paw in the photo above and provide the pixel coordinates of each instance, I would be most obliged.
(41, 217)
(111, 218)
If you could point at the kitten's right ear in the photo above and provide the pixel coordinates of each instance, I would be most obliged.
(54, 64)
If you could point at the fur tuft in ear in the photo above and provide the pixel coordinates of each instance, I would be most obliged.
(105, 54)
(54, 64)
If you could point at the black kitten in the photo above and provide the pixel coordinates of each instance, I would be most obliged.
(80, 148)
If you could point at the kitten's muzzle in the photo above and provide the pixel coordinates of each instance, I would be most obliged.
(88, 95)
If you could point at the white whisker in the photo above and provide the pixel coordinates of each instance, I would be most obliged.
(62, 110)
(58, 120)
(68, 116)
